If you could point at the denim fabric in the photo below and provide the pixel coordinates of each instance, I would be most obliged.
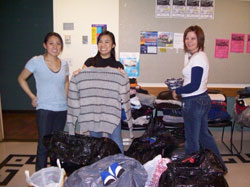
(195, 112)
(115, 136)
(48, 122)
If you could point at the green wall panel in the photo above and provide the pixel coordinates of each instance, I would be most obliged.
(23, 26)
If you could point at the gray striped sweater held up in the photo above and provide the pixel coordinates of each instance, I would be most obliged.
(95, 100)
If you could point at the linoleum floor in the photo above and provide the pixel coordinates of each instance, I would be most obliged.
(16, 157)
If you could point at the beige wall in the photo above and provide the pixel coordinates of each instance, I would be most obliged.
(231, 16)
(126, 18)
(84, 13)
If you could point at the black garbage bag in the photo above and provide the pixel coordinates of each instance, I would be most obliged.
(134, 174)
(178, 154)
(200, 169)
(146, 147)
(76, 151)
(158, 128)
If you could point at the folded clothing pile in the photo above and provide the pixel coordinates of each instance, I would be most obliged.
(218, 111)
(173, 83)
(241, 109)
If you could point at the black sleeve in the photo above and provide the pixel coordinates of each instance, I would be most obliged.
(88, 62)
(120, 65)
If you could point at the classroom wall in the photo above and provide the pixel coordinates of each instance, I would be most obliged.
(84, 13)
(231, 16)
(24, 24)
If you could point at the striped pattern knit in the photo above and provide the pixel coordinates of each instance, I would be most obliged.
(95, 99)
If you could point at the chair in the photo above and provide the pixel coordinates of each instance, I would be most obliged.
(242, 126)
(124, 124)
(161, 107)
(215, 124)
(222, 123)
(135, 127)
(242, 118)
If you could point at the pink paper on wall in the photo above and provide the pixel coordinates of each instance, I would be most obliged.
(248, 43)
(237, 43)
(221, 48)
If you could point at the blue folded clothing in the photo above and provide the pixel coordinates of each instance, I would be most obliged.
(216, 114)
(247, 89)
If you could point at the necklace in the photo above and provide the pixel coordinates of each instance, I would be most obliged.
(191, 54)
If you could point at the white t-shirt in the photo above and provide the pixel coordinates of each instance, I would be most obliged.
(198, 59)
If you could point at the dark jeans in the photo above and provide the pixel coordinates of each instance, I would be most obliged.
(48, 122)
(195, 112)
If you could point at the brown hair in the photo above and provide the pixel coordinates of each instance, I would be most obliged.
(200, 36)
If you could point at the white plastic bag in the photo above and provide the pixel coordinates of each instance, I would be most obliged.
(47, 177)
(154, 169)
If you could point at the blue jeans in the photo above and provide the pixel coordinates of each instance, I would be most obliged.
(115, 136)
(48, 122)
(195, 113)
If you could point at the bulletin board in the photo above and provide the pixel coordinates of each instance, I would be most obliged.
(230, 16)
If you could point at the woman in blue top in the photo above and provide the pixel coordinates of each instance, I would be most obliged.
(196, 102)
(52, 82)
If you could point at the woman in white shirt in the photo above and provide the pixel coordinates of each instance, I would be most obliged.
(196, 102)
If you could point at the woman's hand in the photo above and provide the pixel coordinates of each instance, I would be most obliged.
(76, 72)
(34, 101)
(174, 94)
(122, 70)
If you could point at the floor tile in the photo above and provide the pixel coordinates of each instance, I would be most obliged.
(16, 157)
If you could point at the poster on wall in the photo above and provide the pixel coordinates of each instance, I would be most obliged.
(248, 43)
(193, 9)
(178, 8)
(178, 41)
(165, 39)
(163, 8)
(186, 9)
(207, 9)
(96, 30)
(237, 43)
(94, 50)
(67, 39)
(148, 42)
(221, 48)
(131, 63)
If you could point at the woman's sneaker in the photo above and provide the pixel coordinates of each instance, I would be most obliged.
(116, 170)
